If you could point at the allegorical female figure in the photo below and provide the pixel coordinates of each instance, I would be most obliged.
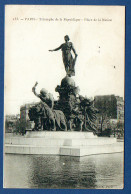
(68, 60)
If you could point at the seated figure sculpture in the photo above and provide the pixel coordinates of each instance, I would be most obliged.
(43, 114)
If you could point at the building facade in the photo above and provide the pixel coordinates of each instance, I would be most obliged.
(11, 123)
(110, 111)
(24, 117)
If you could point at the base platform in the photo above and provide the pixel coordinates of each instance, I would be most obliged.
(61, 143)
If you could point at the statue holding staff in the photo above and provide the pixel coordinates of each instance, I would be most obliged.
(68, 60)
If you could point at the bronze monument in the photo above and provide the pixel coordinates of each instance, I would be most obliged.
(71, 111)
(68, 60)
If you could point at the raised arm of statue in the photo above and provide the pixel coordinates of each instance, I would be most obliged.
(34, 90)
(56, 48)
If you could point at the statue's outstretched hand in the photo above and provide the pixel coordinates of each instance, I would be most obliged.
(51, 50)
(33, 89)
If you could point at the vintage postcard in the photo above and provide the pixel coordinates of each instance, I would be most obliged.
(64, 97)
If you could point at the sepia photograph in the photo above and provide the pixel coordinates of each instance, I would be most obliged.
(64, 75)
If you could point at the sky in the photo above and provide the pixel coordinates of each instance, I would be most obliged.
(97, 33)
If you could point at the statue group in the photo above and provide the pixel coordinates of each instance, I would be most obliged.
(71, 111)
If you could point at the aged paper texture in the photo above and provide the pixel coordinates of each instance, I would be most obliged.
(98, 36)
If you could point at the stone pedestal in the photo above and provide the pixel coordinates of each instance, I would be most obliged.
(60, 134)
(61, 143)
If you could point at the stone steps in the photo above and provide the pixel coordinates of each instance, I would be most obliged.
(60, 134)
(31, 149)
(91, 150)
(59, 142)
(64, 150)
